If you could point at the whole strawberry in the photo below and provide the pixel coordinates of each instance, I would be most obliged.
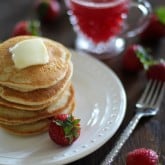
(157, 71)
(133, 58)
(156, 27)
(47, 10)
(142, 156)
(64, 129)
(26, 28)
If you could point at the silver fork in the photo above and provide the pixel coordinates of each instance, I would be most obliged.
(148, 105)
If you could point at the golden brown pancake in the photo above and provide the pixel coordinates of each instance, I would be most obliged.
(30, 97)
(33, 77)
(28, 129)
(35, 127)
(8, 104)
(11, 116)
(38, 96)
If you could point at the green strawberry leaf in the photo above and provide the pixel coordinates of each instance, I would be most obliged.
(58, 122)
(34, 27)
(144, 57)
(160, 13)
(70, 126)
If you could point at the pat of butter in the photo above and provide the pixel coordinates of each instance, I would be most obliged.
(29, 52)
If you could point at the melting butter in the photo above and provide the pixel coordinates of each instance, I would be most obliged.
(29, 52)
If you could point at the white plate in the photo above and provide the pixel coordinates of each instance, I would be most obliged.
(101, 104)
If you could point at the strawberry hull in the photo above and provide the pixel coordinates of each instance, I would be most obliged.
(64, 129)
(26, 28)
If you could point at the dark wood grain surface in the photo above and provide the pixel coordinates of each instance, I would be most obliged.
(150, 132)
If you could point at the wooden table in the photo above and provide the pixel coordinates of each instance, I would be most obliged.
(150, 132)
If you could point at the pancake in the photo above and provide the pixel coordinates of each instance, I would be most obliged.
(39, 96)
(30, 97)
(35, 127)
(28, 129)
(37, 76)
(10, 116)
(8, 104)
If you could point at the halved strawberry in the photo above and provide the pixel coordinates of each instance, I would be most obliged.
(142, 156)
(156, 27)
(64, 129)
(26, 28)
(47, 10)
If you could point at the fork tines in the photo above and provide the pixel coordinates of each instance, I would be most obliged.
(152, 95)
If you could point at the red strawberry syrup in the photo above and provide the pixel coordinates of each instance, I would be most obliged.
(100, 22)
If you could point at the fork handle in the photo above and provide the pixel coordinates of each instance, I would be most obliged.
(124, 136)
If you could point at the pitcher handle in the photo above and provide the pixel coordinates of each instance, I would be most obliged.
(134, 26)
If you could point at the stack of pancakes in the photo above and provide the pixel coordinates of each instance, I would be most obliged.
(29, 97)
